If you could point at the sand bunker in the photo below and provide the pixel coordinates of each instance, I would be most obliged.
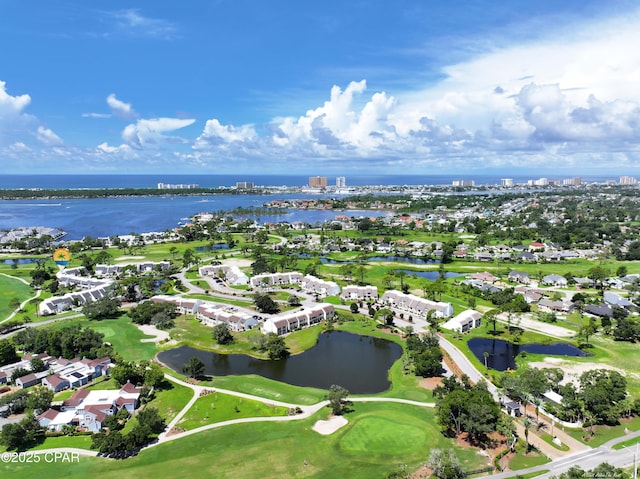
(151, 330)
(329, 426)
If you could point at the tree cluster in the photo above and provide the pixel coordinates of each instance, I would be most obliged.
(22, 435)
(466, 408)
(103, 308)
(221, 334)
(265, 304)
(8, 353)
(143, 373)
(160, 314)
(69, 341)
(426, 355)
(115, 444)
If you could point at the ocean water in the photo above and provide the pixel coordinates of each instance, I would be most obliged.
(214, 181)
(101, 217)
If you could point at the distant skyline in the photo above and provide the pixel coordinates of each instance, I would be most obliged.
(320, 88)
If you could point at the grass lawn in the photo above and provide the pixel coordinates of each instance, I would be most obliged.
(122, 334)
(170, 398)
(11, 288)
(83, 442)
(378, 440)
(268, 388)
(218, 407)
(520, 461)
(605, 433)
(549, 440)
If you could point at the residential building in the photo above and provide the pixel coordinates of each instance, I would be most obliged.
(318, 181)
(464, 321)
(359, 293)
(292, 321)
(415, 305)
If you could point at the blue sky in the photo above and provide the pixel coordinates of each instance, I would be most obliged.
(331, 87)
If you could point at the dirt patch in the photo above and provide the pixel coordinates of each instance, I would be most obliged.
(572, 370)
(430, 383)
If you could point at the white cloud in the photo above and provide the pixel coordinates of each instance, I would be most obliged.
(143, 132)
(132, 22)
(120, 109)
(106, 148)
(215, 133)
(48, 137)
(12, 104)
(96, 115)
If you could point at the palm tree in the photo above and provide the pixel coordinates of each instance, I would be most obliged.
(527, 423)
(537, 402)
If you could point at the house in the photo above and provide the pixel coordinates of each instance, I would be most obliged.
(557, 306)
(485, 277)
(555, 280)
(616, 300)
(464, 321)
(519, 277)
(600, 310)
(88, 409)
(56, 383)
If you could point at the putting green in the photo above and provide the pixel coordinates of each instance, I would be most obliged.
(381, 435)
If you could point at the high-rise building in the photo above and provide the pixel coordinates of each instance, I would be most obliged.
(244, 185)
(463, 183)
(341, 182)
(318, 181)
(506, 182)
(628, 180)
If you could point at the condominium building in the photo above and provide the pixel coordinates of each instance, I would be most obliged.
(318, 181)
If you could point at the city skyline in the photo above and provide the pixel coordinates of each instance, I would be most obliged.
(230, 87)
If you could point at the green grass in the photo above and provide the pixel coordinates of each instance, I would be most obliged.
(268, 389)
(218, 407)
(11, 288)
(170, 398)
(604, 433)
(121, 333)
(549, 440)
(276, 450)
(82, 442)
(520, 461)
(629, 443)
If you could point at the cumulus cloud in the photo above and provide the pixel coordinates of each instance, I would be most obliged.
(48, 137)
(120, 109)
(215, 133)
(12, 104)
(150, 131)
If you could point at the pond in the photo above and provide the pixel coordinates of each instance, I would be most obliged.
(397, 259)
(430, 275)
(21, 260)
(212, 247)
(502, 353)
(358, 363)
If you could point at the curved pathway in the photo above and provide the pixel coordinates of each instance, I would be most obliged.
(24, 303)
(307, 411)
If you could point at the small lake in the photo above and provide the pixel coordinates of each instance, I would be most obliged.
(397, 259)
(358, 363)
(22, 260)
(430, 275)
(502, 353)
(212, 247)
